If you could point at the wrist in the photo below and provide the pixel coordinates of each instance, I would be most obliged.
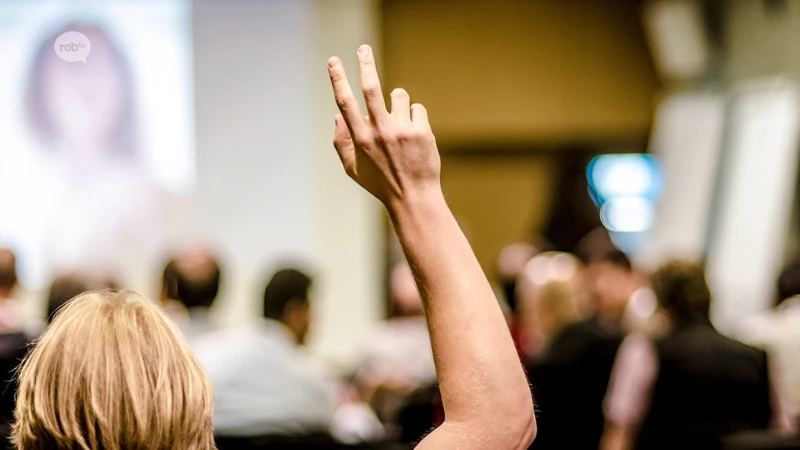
(417, 202)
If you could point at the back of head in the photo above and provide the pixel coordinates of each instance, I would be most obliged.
(169, 282)
(111, 371)
(8, 271)
(557, 306)
(612, 283)
(616, 258)
(681, 290)
(193, 277)
(549, 299)
(62, 290)
(285, 287)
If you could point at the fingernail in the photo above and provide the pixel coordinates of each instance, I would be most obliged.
(364, 50)
(333, 62)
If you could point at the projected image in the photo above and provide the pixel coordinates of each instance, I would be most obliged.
(95, 131)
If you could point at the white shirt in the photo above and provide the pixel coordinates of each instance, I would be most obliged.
(263, 384)
(778, 332)
(400, 351)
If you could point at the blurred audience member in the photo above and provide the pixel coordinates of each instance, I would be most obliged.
(541, 311)
(263, 384)
(613, 283)
(689, 387)
(13, 340)
(63, 289)
(398, 359)
(10, 314)
(169, 293)
(570, 373)
(287, 302)
(778, 332)
(509, 264)
(96, 381)
(191, 283)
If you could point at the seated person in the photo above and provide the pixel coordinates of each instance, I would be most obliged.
(94, 381)
(112, 371)
(689, 387)
(190, 285)
(570, 373)
(777, 331)
(11, 318)
(13, 339)
(264, 385)
(63, 289)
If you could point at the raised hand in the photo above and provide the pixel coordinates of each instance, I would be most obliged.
(392, 155)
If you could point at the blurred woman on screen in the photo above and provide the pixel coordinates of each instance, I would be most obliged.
(91, 186)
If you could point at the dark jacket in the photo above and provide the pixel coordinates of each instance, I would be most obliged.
(708, 386)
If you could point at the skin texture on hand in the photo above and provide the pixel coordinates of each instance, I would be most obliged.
(393, 156)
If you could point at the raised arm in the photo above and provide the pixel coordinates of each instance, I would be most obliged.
(393, 155)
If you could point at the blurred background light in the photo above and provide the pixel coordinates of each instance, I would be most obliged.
(627, 214)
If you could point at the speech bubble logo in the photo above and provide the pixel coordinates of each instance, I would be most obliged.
(73, 46)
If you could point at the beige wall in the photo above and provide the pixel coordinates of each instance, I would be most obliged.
(351, 299)
(522, 70)
(497, 200)
(760, 43)
(524, 74)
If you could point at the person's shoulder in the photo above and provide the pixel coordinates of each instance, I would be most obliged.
(742, 350)
(220, 343)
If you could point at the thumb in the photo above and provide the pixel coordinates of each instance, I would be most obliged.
(343, 143)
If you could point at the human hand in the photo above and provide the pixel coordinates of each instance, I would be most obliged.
(392, 155)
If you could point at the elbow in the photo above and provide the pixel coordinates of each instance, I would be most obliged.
(525, 427)
(518, 423)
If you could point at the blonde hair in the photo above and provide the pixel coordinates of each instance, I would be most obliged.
(112, 372)
(549, 290)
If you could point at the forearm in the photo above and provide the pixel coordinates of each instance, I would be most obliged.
(615, 438)
(480, 374)
(393, 155)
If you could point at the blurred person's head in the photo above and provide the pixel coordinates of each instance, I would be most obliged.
(85, 110)
(510, 262)
(789, 282)
(681, 291)
(556, 306)
(405, 297)
(8, 272)
(63, 289)
(549, 293)
(193, 277)
(613, 281)
(112, 372)
(286, 299)
(169, 282)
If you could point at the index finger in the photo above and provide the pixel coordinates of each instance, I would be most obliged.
(344, 97)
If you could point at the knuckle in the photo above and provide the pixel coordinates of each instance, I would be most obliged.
(341, 100)
(406, 134)
(371, 89)
(387, 135)
(362, 141)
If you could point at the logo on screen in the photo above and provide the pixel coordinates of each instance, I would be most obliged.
(73, 47)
